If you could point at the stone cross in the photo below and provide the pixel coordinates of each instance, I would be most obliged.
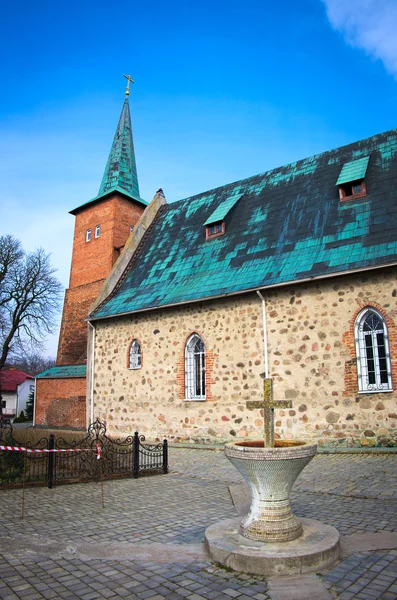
(130, 80)
(268, 405)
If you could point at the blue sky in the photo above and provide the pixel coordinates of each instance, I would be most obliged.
(224, 90)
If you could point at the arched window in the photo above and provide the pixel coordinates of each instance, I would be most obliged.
(372, 350)
(195, 368)
(135, 355)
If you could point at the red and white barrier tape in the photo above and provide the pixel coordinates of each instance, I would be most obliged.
(35, 450)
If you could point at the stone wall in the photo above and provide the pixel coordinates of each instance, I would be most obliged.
(151, 399)
(62, 402)
(311, 359)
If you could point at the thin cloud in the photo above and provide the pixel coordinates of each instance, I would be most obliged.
(369, 25)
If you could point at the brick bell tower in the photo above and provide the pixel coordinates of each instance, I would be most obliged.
(102, 227)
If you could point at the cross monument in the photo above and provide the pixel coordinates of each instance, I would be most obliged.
(268, 405)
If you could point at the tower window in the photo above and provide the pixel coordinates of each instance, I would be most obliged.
(372, 351)
(88, 235)
(97, 231)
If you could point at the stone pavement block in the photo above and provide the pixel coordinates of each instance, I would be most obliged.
(298, 588)
(355, 493)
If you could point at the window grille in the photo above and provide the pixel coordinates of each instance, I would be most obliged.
(135, 355)
(373, 354)
(195, 368)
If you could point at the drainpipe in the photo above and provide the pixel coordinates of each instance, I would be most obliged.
(92, 372)
(34, 402)
(265, 355)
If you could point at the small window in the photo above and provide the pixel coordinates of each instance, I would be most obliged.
(131, 228)
(195, 368)
(215, 229)
(354, 189)
(97, 231)
(372, 350)
(135, 355)
(88, 235)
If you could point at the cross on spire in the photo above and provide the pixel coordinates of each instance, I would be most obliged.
(130, 80)
(268, 405)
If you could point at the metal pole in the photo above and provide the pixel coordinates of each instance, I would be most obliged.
(51, 456)
(92, 379)
(136, 455)
(165, 457)
(23, 484)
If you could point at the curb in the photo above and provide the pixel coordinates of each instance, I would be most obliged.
(321, 449)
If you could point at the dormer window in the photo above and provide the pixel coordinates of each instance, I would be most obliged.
(97, 231)
(355, 189)
(351, 180)
(215, 229)
(215, 224)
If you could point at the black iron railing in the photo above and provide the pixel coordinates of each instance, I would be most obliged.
(122, 457)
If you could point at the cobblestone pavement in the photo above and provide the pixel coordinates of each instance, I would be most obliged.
(147, 541)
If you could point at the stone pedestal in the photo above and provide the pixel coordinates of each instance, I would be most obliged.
(270, 474)
(316, 549)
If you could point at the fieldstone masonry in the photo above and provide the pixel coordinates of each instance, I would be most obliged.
(311, 359)
(151, 399)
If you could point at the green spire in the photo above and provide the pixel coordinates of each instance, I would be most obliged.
(120, 172)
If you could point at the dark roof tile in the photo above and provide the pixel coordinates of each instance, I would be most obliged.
(288, 225)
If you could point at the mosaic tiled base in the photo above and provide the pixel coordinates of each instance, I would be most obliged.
(270, 474)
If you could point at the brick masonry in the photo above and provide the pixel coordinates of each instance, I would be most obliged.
(62, 402)
(311, 359)
(91, 263)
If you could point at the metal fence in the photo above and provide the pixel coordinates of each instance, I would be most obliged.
(56, 460)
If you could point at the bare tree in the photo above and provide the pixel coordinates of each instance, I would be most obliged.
(31, 362)
(29, 298)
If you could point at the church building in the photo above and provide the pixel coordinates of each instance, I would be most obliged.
(289, 275)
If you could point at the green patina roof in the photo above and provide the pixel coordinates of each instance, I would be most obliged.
(353, 170)
(64, 371)
(120, 173)
(289, 226)
(221, 211)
